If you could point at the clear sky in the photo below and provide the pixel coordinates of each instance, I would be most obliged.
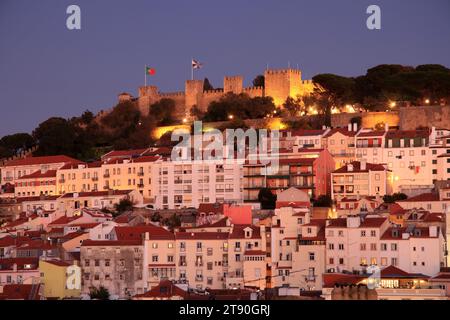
(47, 70)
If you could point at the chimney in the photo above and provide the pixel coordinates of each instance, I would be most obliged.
(363, 164)
(349, 128)
(349, 167)
(433, 231)
(355, 126)
(386, 126)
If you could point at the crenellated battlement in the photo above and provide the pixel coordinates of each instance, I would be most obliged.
(214, 91)
(171, 94)
(282, 71)
(279, 84)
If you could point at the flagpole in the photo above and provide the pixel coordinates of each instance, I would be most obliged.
(145, 76)
(192, 70)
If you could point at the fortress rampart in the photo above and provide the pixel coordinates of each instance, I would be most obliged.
(279, 84)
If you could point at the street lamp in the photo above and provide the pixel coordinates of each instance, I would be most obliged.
(230, 117)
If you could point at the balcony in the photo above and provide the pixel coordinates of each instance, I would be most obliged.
(198, 278)
(140, 173)
(106, 175)
(182, 263)
(105, 187)
(62, 180)
(140, 185)
(94, 178)
(6, 179)
(199, 264)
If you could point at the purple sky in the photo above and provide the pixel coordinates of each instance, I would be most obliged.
(47, 70)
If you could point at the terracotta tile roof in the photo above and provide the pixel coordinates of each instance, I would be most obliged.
(110, 243)
(64, 220)
(39, 174)
(305, 132)
(8, 263)
(73, 235)
(221, 223)
(146, 159)
(343, 131)
(19, 292)
(238, 232)
(424, 197)
(201, 235)
(95, 164)
(441, 276)
(374, 133)
(211, 208)
(124, 153)
(357, 168)
(366, 223)
(165, 289)
(37, 198)
(419, 232)
(301, 161)
(137, 232)
(392, 134)
(41, 160)
(58, 263)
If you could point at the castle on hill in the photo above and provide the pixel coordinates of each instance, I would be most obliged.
(279, 84)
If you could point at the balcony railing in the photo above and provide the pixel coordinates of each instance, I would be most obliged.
(140, 173)
(106, 175)
(62, 180)
(140, 185)
(94, 178)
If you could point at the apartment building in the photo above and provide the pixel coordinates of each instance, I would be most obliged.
(305, 169)
(340, 142)
(41, 182)
(353, 243)
(116, 265)
(12, 170)
(184, 184)
(359, 178)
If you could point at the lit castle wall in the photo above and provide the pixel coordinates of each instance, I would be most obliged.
(279, 84)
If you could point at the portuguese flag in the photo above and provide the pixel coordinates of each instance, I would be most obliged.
(150, 71)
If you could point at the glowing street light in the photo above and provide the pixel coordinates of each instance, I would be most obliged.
(184, 120)
(230, 117)
(427, 101)
(393, 104)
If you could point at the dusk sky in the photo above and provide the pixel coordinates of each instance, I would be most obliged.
(47, 70)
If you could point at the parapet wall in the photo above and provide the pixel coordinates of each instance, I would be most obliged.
(368, 119)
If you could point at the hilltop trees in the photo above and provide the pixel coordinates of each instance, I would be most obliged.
(12, 144)
(239, 106)
(259, 81)
(387, 82)
(163, 111)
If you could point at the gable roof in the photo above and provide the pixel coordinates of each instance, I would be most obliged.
(41, 160)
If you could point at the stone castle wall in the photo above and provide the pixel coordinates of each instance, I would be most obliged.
(279, 84)
(424, 116)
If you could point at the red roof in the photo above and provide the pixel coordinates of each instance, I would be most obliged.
(407, 134)
(424, 197)
(8, 263)
(211, 208)
(374, 133)
(395, 233)
(357, 168)
(366, 223)
(39, 174)
(59, 263)
(343, 131)
(41, 160)
(112, 243)
(19, 292)
(239, 232)
(63, 220)
(136, 233)
(201, 235)
(124, 153)
(165, 289)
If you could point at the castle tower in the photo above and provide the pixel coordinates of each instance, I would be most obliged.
(147, 96)
(193, 93)
(281, 84)
(233, 84)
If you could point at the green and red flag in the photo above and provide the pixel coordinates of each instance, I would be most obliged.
(150, 71)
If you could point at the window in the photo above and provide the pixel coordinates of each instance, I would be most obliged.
(311, 256)
(362, 246)
(363, 233)
(393, 247)
(341, 246)
(331, 261)
(331, 246)
(373, 233)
